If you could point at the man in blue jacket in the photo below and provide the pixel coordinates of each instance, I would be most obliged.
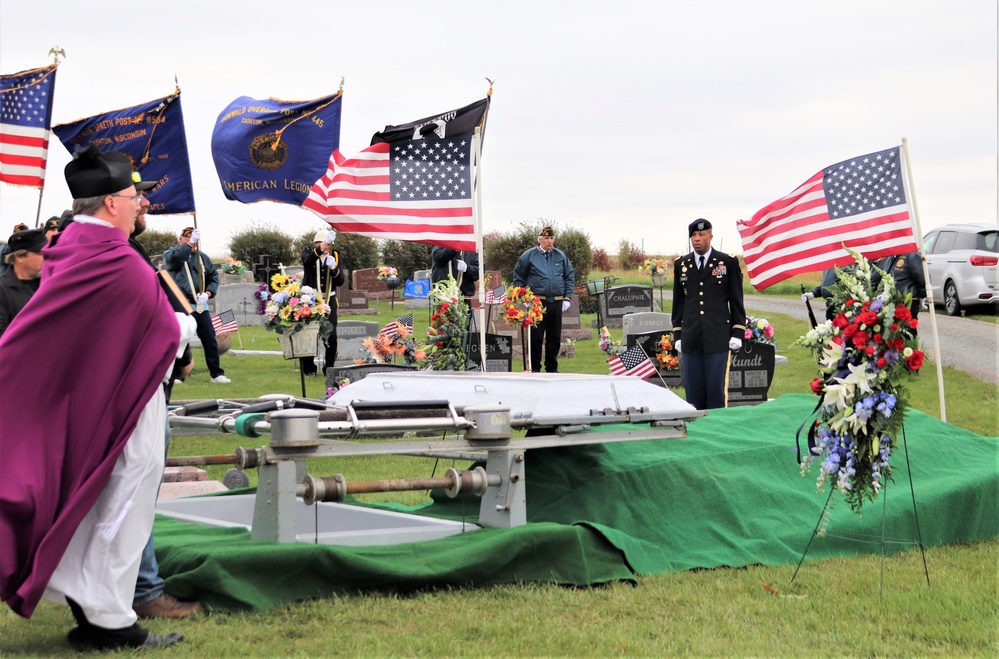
(548, 273)
(198, 279)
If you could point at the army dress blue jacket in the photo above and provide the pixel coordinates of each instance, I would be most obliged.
(708, 308)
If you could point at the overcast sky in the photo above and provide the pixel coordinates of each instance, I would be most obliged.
(625, 119)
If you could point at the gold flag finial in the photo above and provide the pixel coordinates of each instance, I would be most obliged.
(490, 92)
(56, 52)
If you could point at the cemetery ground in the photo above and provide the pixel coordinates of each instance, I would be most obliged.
(832, 609)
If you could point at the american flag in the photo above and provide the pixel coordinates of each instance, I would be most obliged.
(391, 330)
(413, 183)
(859, 203)
(25, 119)
(633, 361)
(496, 295)
(225, 322)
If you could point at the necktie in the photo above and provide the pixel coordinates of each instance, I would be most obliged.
(700, 264)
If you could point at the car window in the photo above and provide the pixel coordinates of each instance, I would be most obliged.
(945, 241)
(965, 240)
(928, 241)
(988, 241)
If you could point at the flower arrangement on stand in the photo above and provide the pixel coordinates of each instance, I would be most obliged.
(759, 330)
(383, 349)
(233, 267)
(290, 307)
(654, 267)
(521, 307)
(608, 344)
(666, 353)
(384, 272)
(447, 330)
(865, 355)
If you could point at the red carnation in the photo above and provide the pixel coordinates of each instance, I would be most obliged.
(868, 318)
(850, 302)
(838, 340)
(860, 339)
(881, 362)
(898, 343)
(894, 327)
(913, 323)
(869, 350)
(840, 321)
(915, 360)
(817, 386)
(902, 312)
(878, 339)
(850, 330)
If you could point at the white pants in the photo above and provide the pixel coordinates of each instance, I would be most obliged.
(99, 568)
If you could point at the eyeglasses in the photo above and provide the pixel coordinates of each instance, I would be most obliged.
(137, 198)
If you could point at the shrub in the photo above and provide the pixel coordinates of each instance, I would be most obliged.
(250, 244)
(630, 256)
(601, 260)
(406, 257)
(157, 242)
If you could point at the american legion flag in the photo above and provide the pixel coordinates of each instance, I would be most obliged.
(225, 322)
(632, 361)
(858, 204)
(391, 330)
(25, 119)
(414, 183)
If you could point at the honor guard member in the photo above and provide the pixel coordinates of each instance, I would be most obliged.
(709, 317)
(907, 271)
(463, 266)
(198, 279)
(321, 271)
(548, 273)
(23, 275)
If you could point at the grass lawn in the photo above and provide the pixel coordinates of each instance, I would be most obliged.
(832, 609)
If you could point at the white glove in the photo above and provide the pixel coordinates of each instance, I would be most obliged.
(461, 265)
(195, 236)
(735, 344)
(676, 346)
(924, 305)
(329, 261)
(565, 305)
(202, 298)
(331, 237)
(808, 296)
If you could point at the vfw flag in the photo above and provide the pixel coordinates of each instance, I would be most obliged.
(25, 118)
(858, 204)
(414, 183)
(153, 137)
(274, 150)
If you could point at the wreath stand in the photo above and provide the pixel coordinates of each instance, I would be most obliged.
(526, 344)
(883, 540)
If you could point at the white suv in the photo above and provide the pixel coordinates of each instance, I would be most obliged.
(963, 260)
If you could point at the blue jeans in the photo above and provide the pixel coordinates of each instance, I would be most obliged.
(149, 584)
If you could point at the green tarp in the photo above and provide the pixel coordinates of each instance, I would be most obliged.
(730, 494)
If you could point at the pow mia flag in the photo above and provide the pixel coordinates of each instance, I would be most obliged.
(274, 150)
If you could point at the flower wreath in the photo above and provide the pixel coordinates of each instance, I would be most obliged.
(666, 353)
(522, 307)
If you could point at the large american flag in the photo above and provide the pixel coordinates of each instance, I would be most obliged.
(858, 203)
(225, 322)
(632, 361)
(25, 119)
(391, 330)
(413, 183)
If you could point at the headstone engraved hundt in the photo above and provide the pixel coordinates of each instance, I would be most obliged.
(751, 372)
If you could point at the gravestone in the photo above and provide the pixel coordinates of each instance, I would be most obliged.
(499, 353)
(650, 344)
(648, 321)
(292, 270)
(619, 301)
(751, 372)
(366, 279)
(239, 298)
(264, 268)
(350, 339)
(352, 302)
(571, 328)
(357, 372)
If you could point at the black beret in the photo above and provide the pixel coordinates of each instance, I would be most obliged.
(32, 240)
(699, 224)
(92, 174)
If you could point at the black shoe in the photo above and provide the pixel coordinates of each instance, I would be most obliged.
(100, 639)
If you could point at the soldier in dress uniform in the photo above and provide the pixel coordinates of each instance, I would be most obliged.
(709, 317)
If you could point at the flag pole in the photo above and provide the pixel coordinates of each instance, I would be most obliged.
(926, 278)
(477, 148)
(658, 374)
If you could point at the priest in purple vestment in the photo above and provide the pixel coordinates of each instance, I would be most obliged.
(83, 410)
